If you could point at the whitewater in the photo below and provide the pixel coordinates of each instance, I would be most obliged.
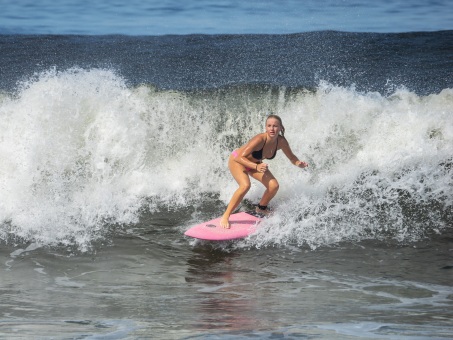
(84, 154)
(116, 123)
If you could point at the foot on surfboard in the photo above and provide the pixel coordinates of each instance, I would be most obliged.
(225, 223)
(262, 211)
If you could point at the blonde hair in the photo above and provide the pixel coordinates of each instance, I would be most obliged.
(280, 121)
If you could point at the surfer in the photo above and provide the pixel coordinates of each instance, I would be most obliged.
(247, 161)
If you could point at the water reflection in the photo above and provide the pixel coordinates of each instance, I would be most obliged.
(224, 302)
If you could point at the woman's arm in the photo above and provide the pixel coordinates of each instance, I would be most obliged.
(291, 156)
(245, 151)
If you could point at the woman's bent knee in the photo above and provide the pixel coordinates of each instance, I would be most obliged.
(274, 186)
(244, 188)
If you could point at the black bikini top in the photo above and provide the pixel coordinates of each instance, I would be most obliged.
(259, 154)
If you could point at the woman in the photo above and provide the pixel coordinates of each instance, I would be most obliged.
(247, 161)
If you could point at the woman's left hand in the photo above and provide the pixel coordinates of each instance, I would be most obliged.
(301, 164)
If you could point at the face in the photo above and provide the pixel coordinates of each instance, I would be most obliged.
(273, 127)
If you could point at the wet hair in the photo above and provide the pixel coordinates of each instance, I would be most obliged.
(282, 131)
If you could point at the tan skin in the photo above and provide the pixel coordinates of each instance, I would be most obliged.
(260, 171)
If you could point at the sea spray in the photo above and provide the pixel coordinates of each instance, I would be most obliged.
(71, 143)
(84, 153)
(381, 168)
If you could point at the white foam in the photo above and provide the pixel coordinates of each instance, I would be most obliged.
(81, 151)
(372, 159)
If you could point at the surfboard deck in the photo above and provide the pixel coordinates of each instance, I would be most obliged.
(242, 225)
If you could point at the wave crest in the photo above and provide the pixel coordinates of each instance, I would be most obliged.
(82, 153)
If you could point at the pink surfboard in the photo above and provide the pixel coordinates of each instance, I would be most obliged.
(242, 225)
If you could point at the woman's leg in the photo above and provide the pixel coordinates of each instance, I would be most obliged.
(271, 184)
(242, 178)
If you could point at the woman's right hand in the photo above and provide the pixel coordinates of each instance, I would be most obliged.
(261, 167)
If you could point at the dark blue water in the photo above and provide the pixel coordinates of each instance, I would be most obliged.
(116, 121)
(421, 62)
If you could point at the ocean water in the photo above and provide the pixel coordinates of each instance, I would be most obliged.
(153, 17)
(116, 122)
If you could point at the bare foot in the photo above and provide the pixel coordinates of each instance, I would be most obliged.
(224, 222)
